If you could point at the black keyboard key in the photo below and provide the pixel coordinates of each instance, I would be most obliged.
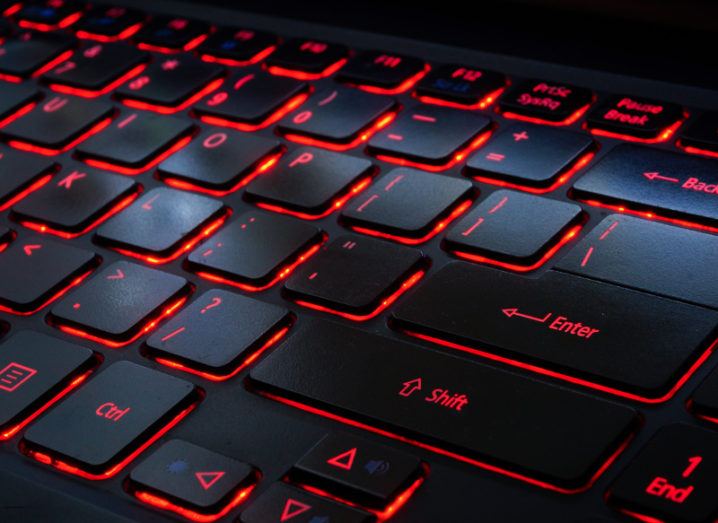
(21, 174)
(661, 182)
(282, 502)
(382, 72)
(355, 277)
(237, 46)
(408, 206)
(37, 271)
(307, 59)
(240, 255)
(704, 400)
(529, 155)
(125, 408)
(310, 183)
(16, 100)
(450, 404)
(104, 23)
(192, 481)
(219, 161)
(430, 137)
(653, 257)
(545, 102)
(338, 118)
(218, 335)
(96, 69)
(641, 119)
(49, 15)
(461, 86)
(171, 84)
(252, 100)
(162, 225)
(75, 202)
(608, 338)
(514, 230)
(58, 124)
(121, 303)
(31, 54)
(672, 478)
(701, 135)
(167, 34)
(359, 470)
(36, 371)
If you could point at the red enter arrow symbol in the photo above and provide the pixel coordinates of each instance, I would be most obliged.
(29, 248)
(511, 312)
(119, 275)
(653, 176)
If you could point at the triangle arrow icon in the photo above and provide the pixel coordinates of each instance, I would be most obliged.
(293, 508)
(345, 460)
(208, 479)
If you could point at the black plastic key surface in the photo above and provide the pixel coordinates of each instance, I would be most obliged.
(35, 270)
(29, 53)
(116, 305)
(649, 256)
(544, 100)
(15, 97)
(529, 155)
(34, 369)
(309, 59)
(407, 204)
(47, 15)
(672, 478)
(122, 408)
(167, 33)
(219, 160)
(282, 502)
(134, 141)
(449, 403)
(704, 400)
(357, 469)
(158, 226)
(107, 23)
(701, 134)
(74, 201)
(217, 333)
(627, 340)
(643, 118)
(238, 45)
(514, 227)
(20, 172)
(310, 182)
(428, 134)
(672, 184)
(240, 254)
(252, 99)
(355, 276)
(383, 71)
(193, 477)
(460, 85)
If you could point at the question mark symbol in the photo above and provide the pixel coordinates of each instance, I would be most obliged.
(215, 303)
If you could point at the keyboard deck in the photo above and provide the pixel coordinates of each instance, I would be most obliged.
(261, 271)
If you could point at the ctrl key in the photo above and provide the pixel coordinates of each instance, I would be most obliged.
(673, 478)
(96, 432)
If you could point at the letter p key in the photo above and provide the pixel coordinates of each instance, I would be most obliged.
(305, 157)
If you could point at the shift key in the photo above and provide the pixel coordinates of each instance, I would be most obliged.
(530, 430)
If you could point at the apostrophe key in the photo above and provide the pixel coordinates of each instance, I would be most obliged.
(514, 230)
(162, 225)
(21, 174)
(37, 271)
(408, 205)
(252, 99)
(671, 479)
(355, 277)
(77, 200)
(530, 155)
(49, 15)
(545, 102)
(461, 86)
(237, 46)
(58, 124)
(218, 334)
(29, 53)
(135, 142)
(219, 161)
(15, 99)
(590, 333)
(383, 72)
(120, 304)
(701, 135)
(109, 23)
(359, 470)
(310, 183)
(307, 59)
(36, 371)
(339, 118)
(434, 138)
(240, 255)
(168, 34)
(192, 481)
(125, 408)
(448, 404)
(628, 117)
(649, 256)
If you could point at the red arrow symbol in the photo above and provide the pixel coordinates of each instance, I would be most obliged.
(208, 479)
(147, 206)
(511, 312)
(29, 248)
(653, 176)
(119, 275)
(293, 508)
(410, 387)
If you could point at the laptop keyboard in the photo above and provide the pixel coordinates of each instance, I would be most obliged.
(439, 265)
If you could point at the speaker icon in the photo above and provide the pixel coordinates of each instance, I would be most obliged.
(377, 467)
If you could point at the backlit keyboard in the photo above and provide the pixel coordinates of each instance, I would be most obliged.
(271, 278)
